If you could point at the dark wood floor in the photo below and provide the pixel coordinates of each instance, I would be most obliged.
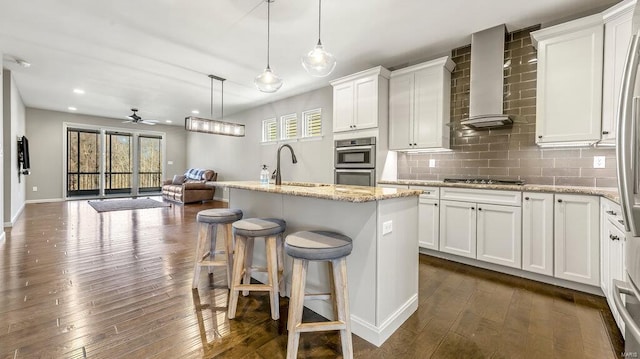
(75, 283)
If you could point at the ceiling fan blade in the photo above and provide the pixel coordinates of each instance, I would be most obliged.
(129, 121)
(147, 122)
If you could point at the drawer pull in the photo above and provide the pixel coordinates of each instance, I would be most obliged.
(559, 201)
(479, 209)
(526, 198)
(611, 212)
(473, 208)
(435, 204)
(605, 132)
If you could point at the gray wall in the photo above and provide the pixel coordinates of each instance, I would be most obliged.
(242, 158)
(44, 129)
(14, 127)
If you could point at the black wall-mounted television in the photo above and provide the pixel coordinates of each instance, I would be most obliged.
(23, 153)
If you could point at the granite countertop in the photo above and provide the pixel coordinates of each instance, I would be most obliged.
(609, 193)
(332, 192)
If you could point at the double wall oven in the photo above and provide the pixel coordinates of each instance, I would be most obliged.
(355, 162)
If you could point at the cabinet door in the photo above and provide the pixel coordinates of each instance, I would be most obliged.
(499, 235)
(569, 86)
(343, 96)
(428, 108)
(576, 232)
(615, 268)
(401, 112)
(366, 102)
(458, 228)
(617, 34)
(537, 232)
(429, 224)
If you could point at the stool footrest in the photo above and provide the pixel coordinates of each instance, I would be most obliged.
(320, 326)
(254, 287)
(319, 296)
(212, 263)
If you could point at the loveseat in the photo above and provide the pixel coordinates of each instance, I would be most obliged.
(190, 187)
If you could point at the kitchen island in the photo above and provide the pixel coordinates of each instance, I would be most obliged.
(383, 266)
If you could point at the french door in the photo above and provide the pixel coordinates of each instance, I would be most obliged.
(110, 163)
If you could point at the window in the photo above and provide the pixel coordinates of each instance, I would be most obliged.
(269, 130)
(289, 127)
(312, 123)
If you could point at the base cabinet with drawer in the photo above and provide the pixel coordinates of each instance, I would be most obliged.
(612, 247)
(537, 232)
(428, 217)
(577, 238)
(488, 229)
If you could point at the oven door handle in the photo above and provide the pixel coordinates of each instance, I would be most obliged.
(357, 171)
(352, 148)
(620, 288)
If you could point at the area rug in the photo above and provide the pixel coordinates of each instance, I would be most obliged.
(126, 204)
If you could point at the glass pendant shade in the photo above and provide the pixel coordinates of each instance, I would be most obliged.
(268, 81)
(318, 62)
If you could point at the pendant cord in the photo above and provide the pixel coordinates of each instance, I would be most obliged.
(222, 101)
(319, 18)
(211, 97)
(268, 28)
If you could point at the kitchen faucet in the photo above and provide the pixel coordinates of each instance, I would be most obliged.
(276, 173)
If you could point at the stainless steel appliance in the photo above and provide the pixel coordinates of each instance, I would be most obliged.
(483, 181)
(628, 161)
(355, 161)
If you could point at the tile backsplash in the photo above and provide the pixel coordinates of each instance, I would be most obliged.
(507, 153)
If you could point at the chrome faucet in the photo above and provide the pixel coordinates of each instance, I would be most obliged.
(276, 173)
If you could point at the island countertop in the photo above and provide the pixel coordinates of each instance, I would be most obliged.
(332, 192)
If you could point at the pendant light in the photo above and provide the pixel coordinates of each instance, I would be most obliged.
(268, 81)
(318, 62)
(216, 127)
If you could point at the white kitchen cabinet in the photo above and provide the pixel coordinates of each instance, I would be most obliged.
(617, 34)
(612, 246)
(419, 102)
(569, 82)
(577, 238)
(360, 100)
(458, 228)
(537, 232)
(499, 236)
(428, 217)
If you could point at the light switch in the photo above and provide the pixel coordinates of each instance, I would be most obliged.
(169, 162)
(35, 188)
(387, 227)
(432, 163)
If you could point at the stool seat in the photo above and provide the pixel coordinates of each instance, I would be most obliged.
(259, 227)
(318, 245)
(219, 215)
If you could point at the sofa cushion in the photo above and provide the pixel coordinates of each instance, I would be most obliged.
(194, 173)
(178, 179)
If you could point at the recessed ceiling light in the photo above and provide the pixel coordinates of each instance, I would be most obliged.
(23, 63)
(71, 108)
(78, 91)
(168, 121)
(195, 112)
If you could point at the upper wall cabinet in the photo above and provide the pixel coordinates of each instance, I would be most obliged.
(569, 103)
(360, 100)
(419, 99)
(617, 35)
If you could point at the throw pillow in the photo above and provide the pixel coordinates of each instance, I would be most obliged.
(194, 174)
(178, 179)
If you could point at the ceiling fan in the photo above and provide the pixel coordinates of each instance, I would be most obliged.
(134, 118)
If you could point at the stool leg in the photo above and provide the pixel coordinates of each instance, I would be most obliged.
(342, 302)
(238, 265)
(296, 305)
(229, 251)
(281, 282)
(272, 272)
(248, 262)
(213, 235)
(200, 244)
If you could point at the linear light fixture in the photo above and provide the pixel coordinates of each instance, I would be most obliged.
(216, 127)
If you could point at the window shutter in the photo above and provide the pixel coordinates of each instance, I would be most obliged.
(269, 130)
(289, 125)
(312, 123)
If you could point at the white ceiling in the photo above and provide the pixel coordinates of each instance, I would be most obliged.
(155, 54)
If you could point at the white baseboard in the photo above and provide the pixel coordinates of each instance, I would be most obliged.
(44, 200)
(15, 218)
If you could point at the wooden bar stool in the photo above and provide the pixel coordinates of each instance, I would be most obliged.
(334, 248)
(245, 232)
(208, 222)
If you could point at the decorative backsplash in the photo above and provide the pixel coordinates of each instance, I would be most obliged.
(507, 153)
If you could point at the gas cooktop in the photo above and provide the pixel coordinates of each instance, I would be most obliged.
(483, 181)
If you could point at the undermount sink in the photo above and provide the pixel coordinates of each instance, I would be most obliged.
(305, 184)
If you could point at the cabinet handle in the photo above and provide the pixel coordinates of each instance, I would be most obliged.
(435, 204)
(473, 208)
(410, 145)
(559, 201)
(611, 213)
(427, 192)
(540, 136)
(605, 132)
(479, 209)
(415, 144)
(615, 238)
(611, 236)
(621, 222)
(526, 198)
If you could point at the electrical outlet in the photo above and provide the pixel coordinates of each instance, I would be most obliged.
(169, 162)
(387, 227)
(432, 163)
(35, 188)
(598, 161)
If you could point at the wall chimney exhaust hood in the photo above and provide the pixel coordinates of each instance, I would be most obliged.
(487, 80)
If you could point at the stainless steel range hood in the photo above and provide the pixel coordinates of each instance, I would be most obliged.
(487, 80)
